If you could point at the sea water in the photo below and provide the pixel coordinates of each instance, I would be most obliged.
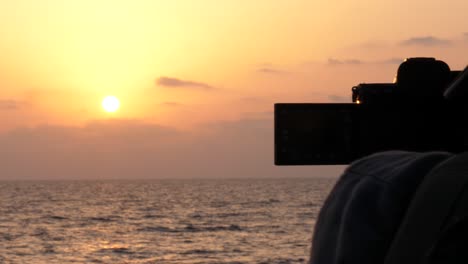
(160, 221)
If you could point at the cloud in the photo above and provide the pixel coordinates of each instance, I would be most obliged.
(131, 149)
(171, 104)
(332, 61)
(129, 128)
(392, 61)
(178, 83)
(339, 98)
(101, 149)
(272, 71)
(258, 114)
(9, 104)
(427, 41)
(254, 99)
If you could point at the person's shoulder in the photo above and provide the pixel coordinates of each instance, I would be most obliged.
(390, 166)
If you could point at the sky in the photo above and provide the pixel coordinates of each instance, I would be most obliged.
(196, 79)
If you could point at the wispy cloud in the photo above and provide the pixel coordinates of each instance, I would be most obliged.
(9, 104)
(269, 70)
(171, 104)
(253, 99)
(392, 61)
(179, 83)
(339, 98)
(332, 61)
(395, 60)
(134, 149)
(425, 41)
(258, 115)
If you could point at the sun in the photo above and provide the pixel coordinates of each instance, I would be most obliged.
(110, 104)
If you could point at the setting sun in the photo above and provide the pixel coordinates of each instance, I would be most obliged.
(110, 104)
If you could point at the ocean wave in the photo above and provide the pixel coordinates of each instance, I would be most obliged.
(101, 219)
(200, 252)
(284, 261)
(40, 232)
(227, 215)
(218, 215)
(196, 216)
(190, 229)
(56, 217)
(232, 227)
(159, 229)
(117, 250)
(159, 223)
(152, 216)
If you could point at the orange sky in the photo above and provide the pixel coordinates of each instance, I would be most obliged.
(190, 64)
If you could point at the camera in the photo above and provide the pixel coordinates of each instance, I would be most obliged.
(425, 109)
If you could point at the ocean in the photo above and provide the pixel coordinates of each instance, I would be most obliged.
(161, 221)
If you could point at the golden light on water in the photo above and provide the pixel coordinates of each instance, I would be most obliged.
(110, 104)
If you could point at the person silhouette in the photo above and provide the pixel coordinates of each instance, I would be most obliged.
(364, 210)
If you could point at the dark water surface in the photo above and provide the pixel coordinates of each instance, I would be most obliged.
(162, 221)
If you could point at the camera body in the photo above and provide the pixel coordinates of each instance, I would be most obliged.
(421, 111)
